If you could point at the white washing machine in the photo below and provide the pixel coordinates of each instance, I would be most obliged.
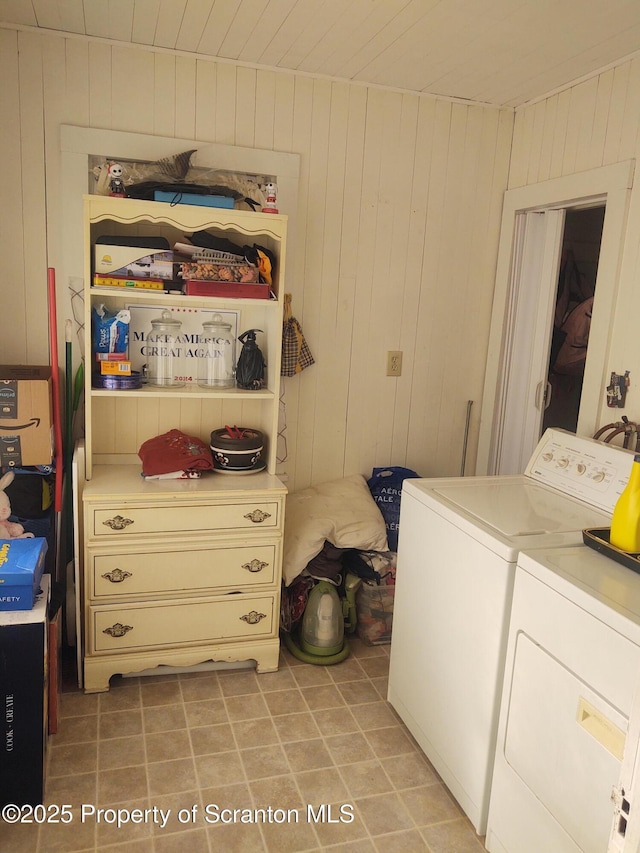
(458, 546)
(572, 669)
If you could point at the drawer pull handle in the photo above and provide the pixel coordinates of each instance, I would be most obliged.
(257, 516)
(255, 566)
(117, 576)
(253, 617)
(118, 630)
(118, 522)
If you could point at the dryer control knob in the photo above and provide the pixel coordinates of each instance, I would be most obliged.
(563, 463)
(598, 477)
(581, 467)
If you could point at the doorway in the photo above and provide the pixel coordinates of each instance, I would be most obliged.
(575, 293)
(528, 265)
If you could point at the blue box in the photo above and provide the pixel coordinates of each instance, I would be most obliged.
(194, 198)
(21, 567)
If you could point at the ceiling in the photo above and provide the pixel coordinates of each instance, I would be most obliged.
(501, 52)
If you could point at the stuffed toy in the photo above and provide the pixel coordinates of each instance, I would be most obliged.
(9, 529)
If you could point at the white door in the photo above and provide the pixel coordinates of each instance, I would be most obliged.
(607, 186)
(535, 267)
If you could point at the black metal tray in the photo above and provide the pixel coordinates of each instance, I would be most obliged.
(598, 539)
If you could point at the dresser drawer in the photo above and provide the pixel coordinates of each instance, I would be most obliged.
(157, 625)
(130, 573)
(181, 518)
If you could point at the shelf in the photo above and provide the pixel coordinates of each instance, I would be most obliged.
(161, 297)
(186, 391)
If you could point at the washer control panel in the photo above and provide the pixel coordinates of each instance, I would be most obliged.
(591, 470)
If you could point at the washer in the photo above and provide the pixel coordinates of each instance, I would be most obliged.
(458, 546)
(572, 669)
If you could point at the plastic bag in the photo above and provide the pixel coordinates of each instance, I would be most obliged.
(385, 486)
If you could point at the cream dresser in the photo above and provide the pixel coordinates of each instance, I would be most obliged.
(179, 572)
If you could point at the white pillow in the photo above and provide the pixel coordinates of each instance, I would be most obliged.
(342, 512)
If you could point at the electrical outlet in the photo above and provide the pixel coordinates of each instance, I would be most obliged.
(394, 363)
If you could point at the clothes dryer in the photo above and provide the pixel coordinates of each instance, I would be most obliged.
(572, 670)
(458, 547)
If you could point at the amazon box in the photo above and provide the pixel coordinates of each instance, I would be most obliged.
(26, 421)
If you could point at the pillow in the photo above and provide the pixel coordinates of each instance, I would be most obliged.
(342, 512)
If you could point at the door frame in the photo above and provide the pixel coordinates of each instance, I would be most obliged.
(608, 185)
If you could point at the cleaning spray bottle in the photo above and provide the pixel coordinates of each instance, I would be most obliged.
(625, 521)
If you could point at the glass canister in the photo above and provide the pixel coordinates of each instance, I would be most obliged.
(164, 352)
(216, 354)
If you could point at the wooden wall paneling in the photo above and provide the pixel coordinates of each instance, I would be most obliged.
(298, 467)
(125, 425)
(424, 415)
(601, 117)
(105, 426)
(616, 114)
(537, 136)
(415, 365)
(226, 103)
(317, 390)
(246, 132)
(389, 275)
(264, 111)
(449, 299)
(546, 148)
(491, 175)
(191, 417)
(206, 113)
(559, 131)
(185, 97)
(403, 284)
(148, 420)
(584, 151)
(631, 125)
(100, 87)
(14, 319)
(53, 63)
(33, 197)
(363, 400)
(166, 96)
(522, 134)
(331, 331)
(133, 85)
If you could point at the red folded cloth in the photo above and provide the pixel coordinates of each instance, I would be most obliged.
(174, 451)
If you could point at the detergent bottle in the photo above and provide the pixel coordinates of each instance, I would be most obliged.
(625, 521)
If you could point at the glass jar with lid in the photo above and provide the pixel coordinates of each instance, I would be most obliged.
(165, 352)
(216, 354)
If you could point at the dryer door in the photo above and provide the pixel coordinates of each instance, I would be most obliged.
(625, 832)
(564, 742)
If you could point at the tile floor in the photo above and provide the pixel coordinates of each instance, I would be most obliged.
(196, 744)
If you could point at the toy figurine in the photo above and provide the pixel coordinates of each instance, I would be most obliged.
(251, 364)
(116, 184)
(271, 191)
(9, 529)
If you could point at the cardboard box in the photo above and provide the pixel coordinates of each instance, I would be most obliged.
(24, 700)
(132, 262)
(21, 568)
(26, 419)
